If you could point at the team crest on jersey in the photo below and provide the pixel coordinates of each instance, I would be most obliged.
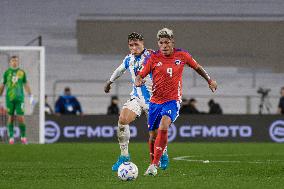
(159, 64)
(177, 62)
(20, 74)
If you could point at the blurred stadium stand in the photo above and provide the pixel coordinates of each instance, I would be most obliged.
(56, 21)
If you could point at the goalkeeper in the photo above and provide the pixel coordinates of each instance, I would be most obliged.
(14, 79)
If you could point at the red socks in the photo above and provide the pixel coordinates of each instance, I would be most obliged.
(160, 144)
(151, 149)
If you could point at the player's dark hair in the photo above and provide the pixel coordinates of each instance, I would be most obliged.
(135, 36)
(14, 56)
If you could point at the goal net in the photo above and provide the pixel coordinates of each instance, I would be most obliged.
(31, 60)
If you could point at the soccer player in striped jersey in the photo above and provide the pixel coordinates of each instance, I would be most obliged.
(15, 81)
(139, 97)
(166, 67)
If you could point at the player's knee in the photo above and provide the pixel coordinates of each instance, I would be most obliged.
(21, 119)
(123, 120)
(165, 123)
(10, 119)
(152, 137)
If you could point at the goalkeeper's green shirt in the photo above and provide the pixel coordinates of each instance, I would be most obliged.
(14, 80)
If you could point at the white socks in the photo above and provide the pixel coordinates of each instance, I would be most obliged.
(165, 150)
(123, 135)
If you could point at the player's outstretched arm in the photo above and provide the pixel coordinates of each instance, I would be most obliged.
(115, 75)
(107, 86)
(212, 83)
(28, 89)
(2, 86)
(29, 92)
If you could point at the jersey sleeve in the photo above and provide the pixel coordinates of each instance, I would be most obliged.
(118, 72)
(190, 61)
(121, 69)
(4, 79)
(146, 67)
(126, 61)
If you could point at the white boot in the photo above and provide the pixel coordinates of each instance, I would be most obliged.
(152, 170)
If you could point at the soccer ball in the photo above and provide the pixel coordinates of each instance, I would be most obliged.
(127, 171)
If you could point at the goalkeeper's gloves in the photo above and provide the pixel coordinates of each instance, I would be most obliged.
(32, 100)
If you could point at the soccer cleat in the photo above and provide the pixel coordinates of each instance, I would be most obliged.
(152, 170)
(11, 141)
(120, 160)
(24, 140)
(164, 161)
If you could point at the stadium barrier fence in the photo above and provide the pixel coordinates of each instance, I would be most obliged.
(187, 128)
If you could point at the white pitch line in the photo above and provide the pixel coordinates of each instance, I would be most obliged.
(186, 158)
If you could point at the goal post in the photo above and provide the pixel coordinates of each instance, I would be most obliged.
(32, 61)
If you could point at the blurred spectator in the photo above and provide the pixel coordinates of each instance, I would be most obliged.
(113, 108)
(214, 108)
(184, 105)
(67, 104)
(281, 102)
(47, 109)
(189, 107)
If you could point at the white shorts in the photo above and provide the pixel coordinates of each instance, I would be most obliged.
(136, 105)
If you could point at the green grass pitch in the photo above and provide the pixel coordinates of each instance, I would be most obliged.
(82, 166)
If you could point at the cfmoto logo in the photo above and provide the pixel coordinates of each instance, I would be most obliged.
(276, 131)
(172, 132)
(52, 132)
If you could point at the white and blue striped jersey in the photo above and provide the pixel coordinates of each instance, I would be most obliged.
(133, 64)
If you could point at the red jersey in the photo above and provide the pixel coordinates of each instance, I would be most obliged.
(167, 74)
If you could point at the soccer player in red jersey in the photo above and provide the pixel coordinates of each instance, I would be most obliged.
(139, 100)
(166, 67)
